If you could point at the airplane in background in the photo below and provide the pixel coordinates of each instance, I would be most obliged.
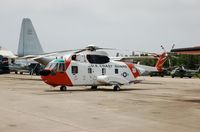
(6, 56)
(6, 53)
(181, 72)
(29, 46)
(4, 65)
(157, 70)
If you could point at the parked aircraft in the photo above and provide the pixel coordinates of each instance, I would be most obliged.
(6, 56)
(29, 46)
(6, 53)
(158, 70)
(91, 67)
(4, 65)
(182, 72)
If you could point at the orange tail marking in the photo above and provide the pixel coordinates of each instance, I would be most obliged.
(161, 61)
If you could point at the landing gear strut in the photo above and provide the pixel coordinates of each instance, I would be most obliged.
(63, 88)
(116, 88)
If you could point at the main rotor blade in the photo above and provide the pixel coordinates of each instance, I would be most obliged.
(93, 49)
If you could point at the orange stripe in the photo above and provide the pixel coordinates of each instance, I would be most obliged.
(135, 72)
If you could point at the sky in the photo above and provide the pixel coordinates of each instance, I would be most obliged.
(141, 25)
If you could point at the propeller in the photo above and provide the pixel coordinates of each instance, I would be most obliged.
(170, 55)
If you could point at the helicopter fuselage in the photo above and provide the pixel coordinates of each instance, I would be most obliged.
(89, 70)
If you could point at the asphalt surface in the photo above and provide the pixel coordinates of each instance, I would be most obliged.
(154, 105)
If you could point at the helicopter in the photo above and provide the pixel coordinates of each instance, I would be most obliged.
(90, 67)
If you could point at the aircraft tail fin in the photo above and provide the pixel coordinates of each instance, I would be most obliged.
(161, 61)
(29, 43)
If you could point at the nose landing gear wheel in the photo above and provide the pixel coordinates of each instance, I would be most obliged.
(116, 88)
(63, 88)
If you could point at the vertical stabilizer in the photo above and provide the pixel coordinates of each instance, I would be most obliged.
(161, 61)
(29, 43)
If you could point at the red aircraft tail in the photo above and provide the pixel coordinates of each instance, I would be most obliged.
(161, 61)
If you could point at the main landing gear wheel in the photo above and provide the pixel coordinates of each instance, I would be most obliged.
(63, 88)
(93, 87)
(116, 88)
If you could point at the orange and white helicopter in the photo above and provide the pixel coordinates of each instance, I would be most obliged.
(91, 67)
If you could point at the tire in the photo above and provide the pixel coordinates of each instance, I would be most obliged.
(93, 87)
(116, 88)
(63, 88)
(172, 76)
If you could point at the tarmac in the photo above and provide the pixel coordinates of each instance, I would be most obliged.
(154, 105)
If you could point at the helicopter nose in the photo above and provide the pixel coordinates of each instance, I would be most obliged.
(55, 79)
(47, 77)
(45, 72)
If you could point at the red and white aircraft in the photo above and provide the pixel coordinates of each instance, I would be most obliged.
(91, 67)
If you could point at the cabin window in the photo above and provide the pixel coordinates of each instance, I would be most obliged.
(90, 70)
(103, 71)
(73, 57)
(116, 71)
(98, 59)
(74, 70)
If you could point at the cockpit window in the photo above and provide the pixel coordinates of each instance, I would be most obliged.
(61, 67)
(98, 59)
(56, 66)
(50, 66)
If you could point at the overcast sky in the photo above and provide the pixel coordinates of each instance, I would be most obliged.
(124, 24)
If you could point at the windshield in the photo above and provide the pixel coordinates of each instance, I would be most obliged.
(59, 66)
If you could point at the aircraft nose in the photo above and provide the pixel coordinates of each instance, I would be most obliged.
(45, 72)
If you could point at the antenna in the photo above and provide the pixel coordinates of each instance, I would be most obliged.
(173, 46)
(163, 48)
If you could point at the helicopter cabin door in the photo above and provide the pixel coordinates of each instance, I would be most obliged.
(92, 78)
